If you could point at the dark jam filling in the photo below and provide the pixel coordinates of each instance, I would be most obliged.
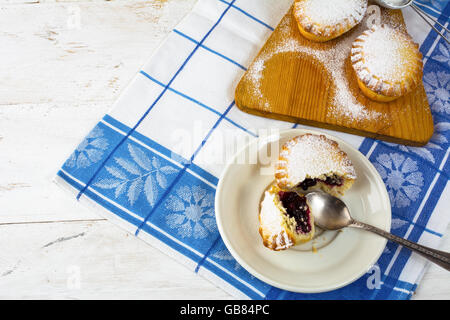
(332, 181)
(297, 208)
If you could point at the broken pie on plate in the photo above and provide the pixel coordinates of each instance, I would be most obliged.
(244, 186)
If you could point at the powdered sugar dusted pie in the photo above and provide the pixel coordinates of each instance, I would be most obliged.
(314, 161)
(285, 219)
(323, 20)
(387, 62)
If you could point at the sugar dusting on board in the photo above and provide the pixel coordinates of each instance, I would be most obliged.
(344, 103)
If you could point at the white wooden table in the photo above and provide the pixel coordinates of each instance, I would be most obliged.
(62, 65)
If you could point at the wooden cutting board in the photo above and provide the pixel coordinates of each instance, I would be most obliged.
(297, 80)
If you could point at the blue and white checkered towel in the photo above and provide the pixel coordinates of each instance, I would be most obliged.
(145, 165)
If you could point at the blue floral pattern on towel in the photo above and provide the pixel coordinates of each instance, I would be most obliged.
(90, 150)
(403, 180)
(135, 175)
(172, 199)
(191, 212)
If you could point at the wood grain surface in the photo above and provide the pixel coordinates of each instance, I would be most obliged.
(296, 86)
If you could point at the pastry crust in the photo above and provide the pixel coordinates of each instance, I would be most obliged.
(387, 63)
(316, 158)
(323, 20)
(277, 229)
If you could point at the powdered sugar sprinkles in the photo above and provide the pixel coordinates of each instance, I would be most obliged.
(343, 104)
(323, 17)
(326, 12)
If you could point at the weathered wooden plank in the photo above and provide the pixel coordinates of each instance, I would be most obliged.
(35, 140)
(56, 81)
(48, 259)
(50, 98)
(89, 260)
(79, 51)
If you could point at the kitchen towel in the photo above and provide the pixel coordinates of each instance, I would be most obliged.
(151, 164)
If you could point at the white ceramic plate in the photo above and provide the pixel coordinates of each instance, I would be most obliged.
(344, 257)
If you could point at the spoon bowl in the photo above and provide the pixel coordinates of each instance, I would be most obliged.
(331, 213)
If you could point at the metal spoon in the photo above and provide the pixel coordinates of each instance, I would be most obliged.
(331, 213)
(406, 3)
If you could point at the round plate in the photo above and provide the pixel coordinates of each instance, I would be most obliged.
(342, 257)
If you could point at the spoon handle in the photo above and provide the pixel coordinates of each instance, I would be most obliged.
(439, 257)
